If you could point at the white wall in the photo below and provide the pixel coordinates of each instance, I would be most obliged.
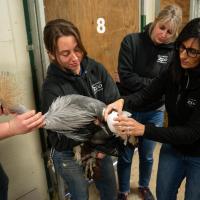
(20, 155)
(194, 9)
(150, 10)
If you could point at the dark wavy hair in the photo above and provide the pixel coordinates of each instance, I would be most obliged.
(191, 30)
(57, 28)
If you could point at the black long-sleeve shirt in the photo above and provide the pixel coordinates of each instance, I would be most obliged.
(182, 103)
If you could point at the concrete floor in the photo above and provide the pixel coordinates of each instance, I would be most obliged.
(134, 195)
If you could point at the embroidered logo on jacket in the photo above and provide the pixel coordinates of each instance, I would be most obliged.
(191, 102)
(162, 59)
(97, 87)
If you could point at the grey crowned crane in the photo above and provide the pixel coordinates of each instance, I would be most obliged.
(81, 118)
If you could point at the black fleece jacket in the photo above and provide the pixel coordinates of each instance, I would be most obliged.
(94, 81)
(182, 103)
(139, 62)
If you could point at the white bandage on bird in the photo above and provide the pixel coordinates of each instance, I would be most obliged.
(110, 121)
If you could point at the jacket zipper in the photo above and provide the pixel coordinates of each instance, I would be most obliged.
(186, 87)
(188, 80)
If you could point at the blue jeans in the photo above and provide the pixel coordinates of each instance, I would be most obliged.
(145, 150)
(172, 169)
(3, 184)
(73, 175)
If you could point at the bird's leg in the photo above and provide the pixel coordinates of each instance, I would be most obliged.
(77, 154)
(90, 164)
(133, 140)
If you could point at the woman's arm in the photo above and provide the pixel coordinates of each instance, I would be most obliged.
(149, 94)
(187, 133)
(21, 124)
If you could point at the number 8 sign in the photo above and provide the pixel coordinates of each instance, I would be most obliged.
(101, 28)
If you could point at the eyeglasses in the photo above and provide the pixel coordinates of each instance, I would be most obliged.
(190, 51)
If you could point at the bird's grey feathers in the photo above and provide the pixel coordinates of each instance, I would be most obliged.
(69, 113)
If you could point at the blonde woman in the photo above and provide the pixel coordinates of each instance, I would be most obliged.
(142, 57)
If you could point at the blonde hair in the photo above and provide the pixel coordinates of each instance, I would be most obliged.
(172, 14)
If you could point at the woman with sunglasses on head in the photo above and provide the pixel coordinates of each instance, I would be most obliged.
(180, 153)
